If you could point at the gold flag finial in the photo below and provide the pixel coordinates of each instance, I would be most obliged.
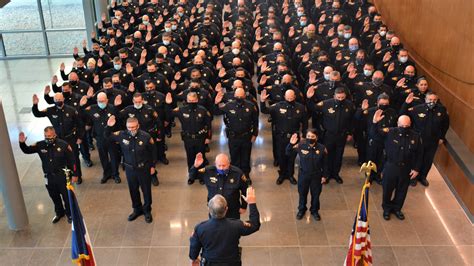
(368, 167)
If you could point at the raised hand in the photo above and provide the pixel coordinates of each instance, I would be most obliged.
(111, 121)
(378, 116)
(169, 98)
(54, 80)
(401, 83)
(199, 160)
(250, 198)
(365, 104)
(310, 92)
(35, 99)
(22, 137)
(294, 139)
(264, 96)
(131, 87)
(410, 98)
(62, 66)
(219, 97)
(118, 100)
(47, 90)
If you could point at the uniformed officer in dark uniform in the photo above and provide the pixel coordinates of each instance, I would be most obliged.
(224, 179)
(218, 237)
(404, 152)
(241, 119)
(431, 121)
(139, 155)
(337, 115)
(196, 126)
(375, 141)
(312, 171)
(66, 122)
(289, 117)
(149, 122)
(56, 155)
(98, 114)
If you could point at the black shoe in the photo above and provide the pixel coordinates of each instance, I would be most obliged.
(400, 215)
(413, 182)
(154, 180)
(386, 215)
(134, 216)
(279, 181)
(69, 219)
(88, 163)
(201, 181)
(79, 180)
(300, 215)
(339, 180)
(316, 216)
(117, 180)
(165, 161)
(104, 179)
(424, 182)
(275, 163)
(293, 180)
(190, 181)
(148, 218)
(57, 218)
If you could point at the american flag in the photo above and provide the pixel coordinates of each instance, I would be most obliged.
(360, 253)
(81, 247)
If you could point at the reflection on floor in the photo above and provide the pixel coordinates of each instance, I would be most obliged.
(435, 232)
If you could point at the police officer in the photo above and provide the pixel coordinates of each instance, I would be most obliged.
(224, 179)
(375, 145)
(196, 126)
(241, 118)
(404, 157)
(337, 115)
(218, 237)
(139, 154)
(149, 122)
(431, 121)
(288, 117)
(67, 124)
(312, 172)
(56, 155)
(98, 114)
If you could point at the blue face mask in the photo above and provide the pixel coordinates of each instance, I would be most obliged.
(353, 48)
(102, 105)
(302, 23)
(117, 67)
(222, 171)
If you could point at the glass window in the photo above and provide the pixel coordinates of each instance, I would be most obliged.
(24, 43)
(20, 15)
(60, 14)
(62, 42)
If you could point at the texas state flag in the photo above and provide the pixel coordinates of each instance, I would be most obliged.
(81, 247)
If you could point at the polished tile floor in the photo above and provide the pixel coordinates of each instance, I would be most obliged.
(435, 232)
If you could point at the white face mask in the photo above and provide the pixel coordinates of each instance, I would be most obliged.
(138, 105)
(235, 51)
(382, 33)
(403, 59)
(327, 76)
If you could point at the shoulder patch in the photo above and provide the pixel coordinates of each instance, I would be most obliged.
(410, 109)
(116, 133)
(320, 103)
(385, 129)
(202, 170)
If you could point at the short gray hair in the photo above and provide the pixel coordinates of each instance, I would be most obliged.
(217, 207)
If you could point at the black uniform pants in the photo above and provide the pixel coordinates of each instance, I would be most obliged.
(309, 184)
(75, 150)
(395, 182)
(207, 263)
(240, 151)
(193, 147)
(108, 157)
(139, 179)
(274, 146)
(429, 151)
(375, 153)
(58, 193)
(335, 145)
(286, 162)
(84, 147)
(360, 141)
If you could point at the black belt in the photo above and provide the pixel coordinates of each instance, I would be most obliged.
(192, 136)
(138, 166)
(73, 133)
(286, 134)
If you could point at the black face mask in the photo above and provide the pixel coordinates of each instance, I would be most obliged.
(312, 141)
(95, 53)
(339, 102)
(239, 100)
(291, 103)
(49, 141)
(137, 39)
(193, 105)
(383, 107)
(59, 104)
(377, 82)
(73, 82)
(396, 48)
(404, 130)
(116, 84)
(431, 105)
(129, 45)
(66, 94)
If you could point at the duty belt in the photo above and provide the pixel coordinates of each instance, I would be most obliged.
(192, 136)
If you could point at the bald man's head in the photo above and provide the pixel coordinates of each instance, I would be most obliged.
(239, 93)
(222, 162)
(59, 99)
(404, 121)
(290, 96)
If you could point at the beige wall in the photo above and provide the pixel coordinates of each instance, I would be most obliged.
(439, 36)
